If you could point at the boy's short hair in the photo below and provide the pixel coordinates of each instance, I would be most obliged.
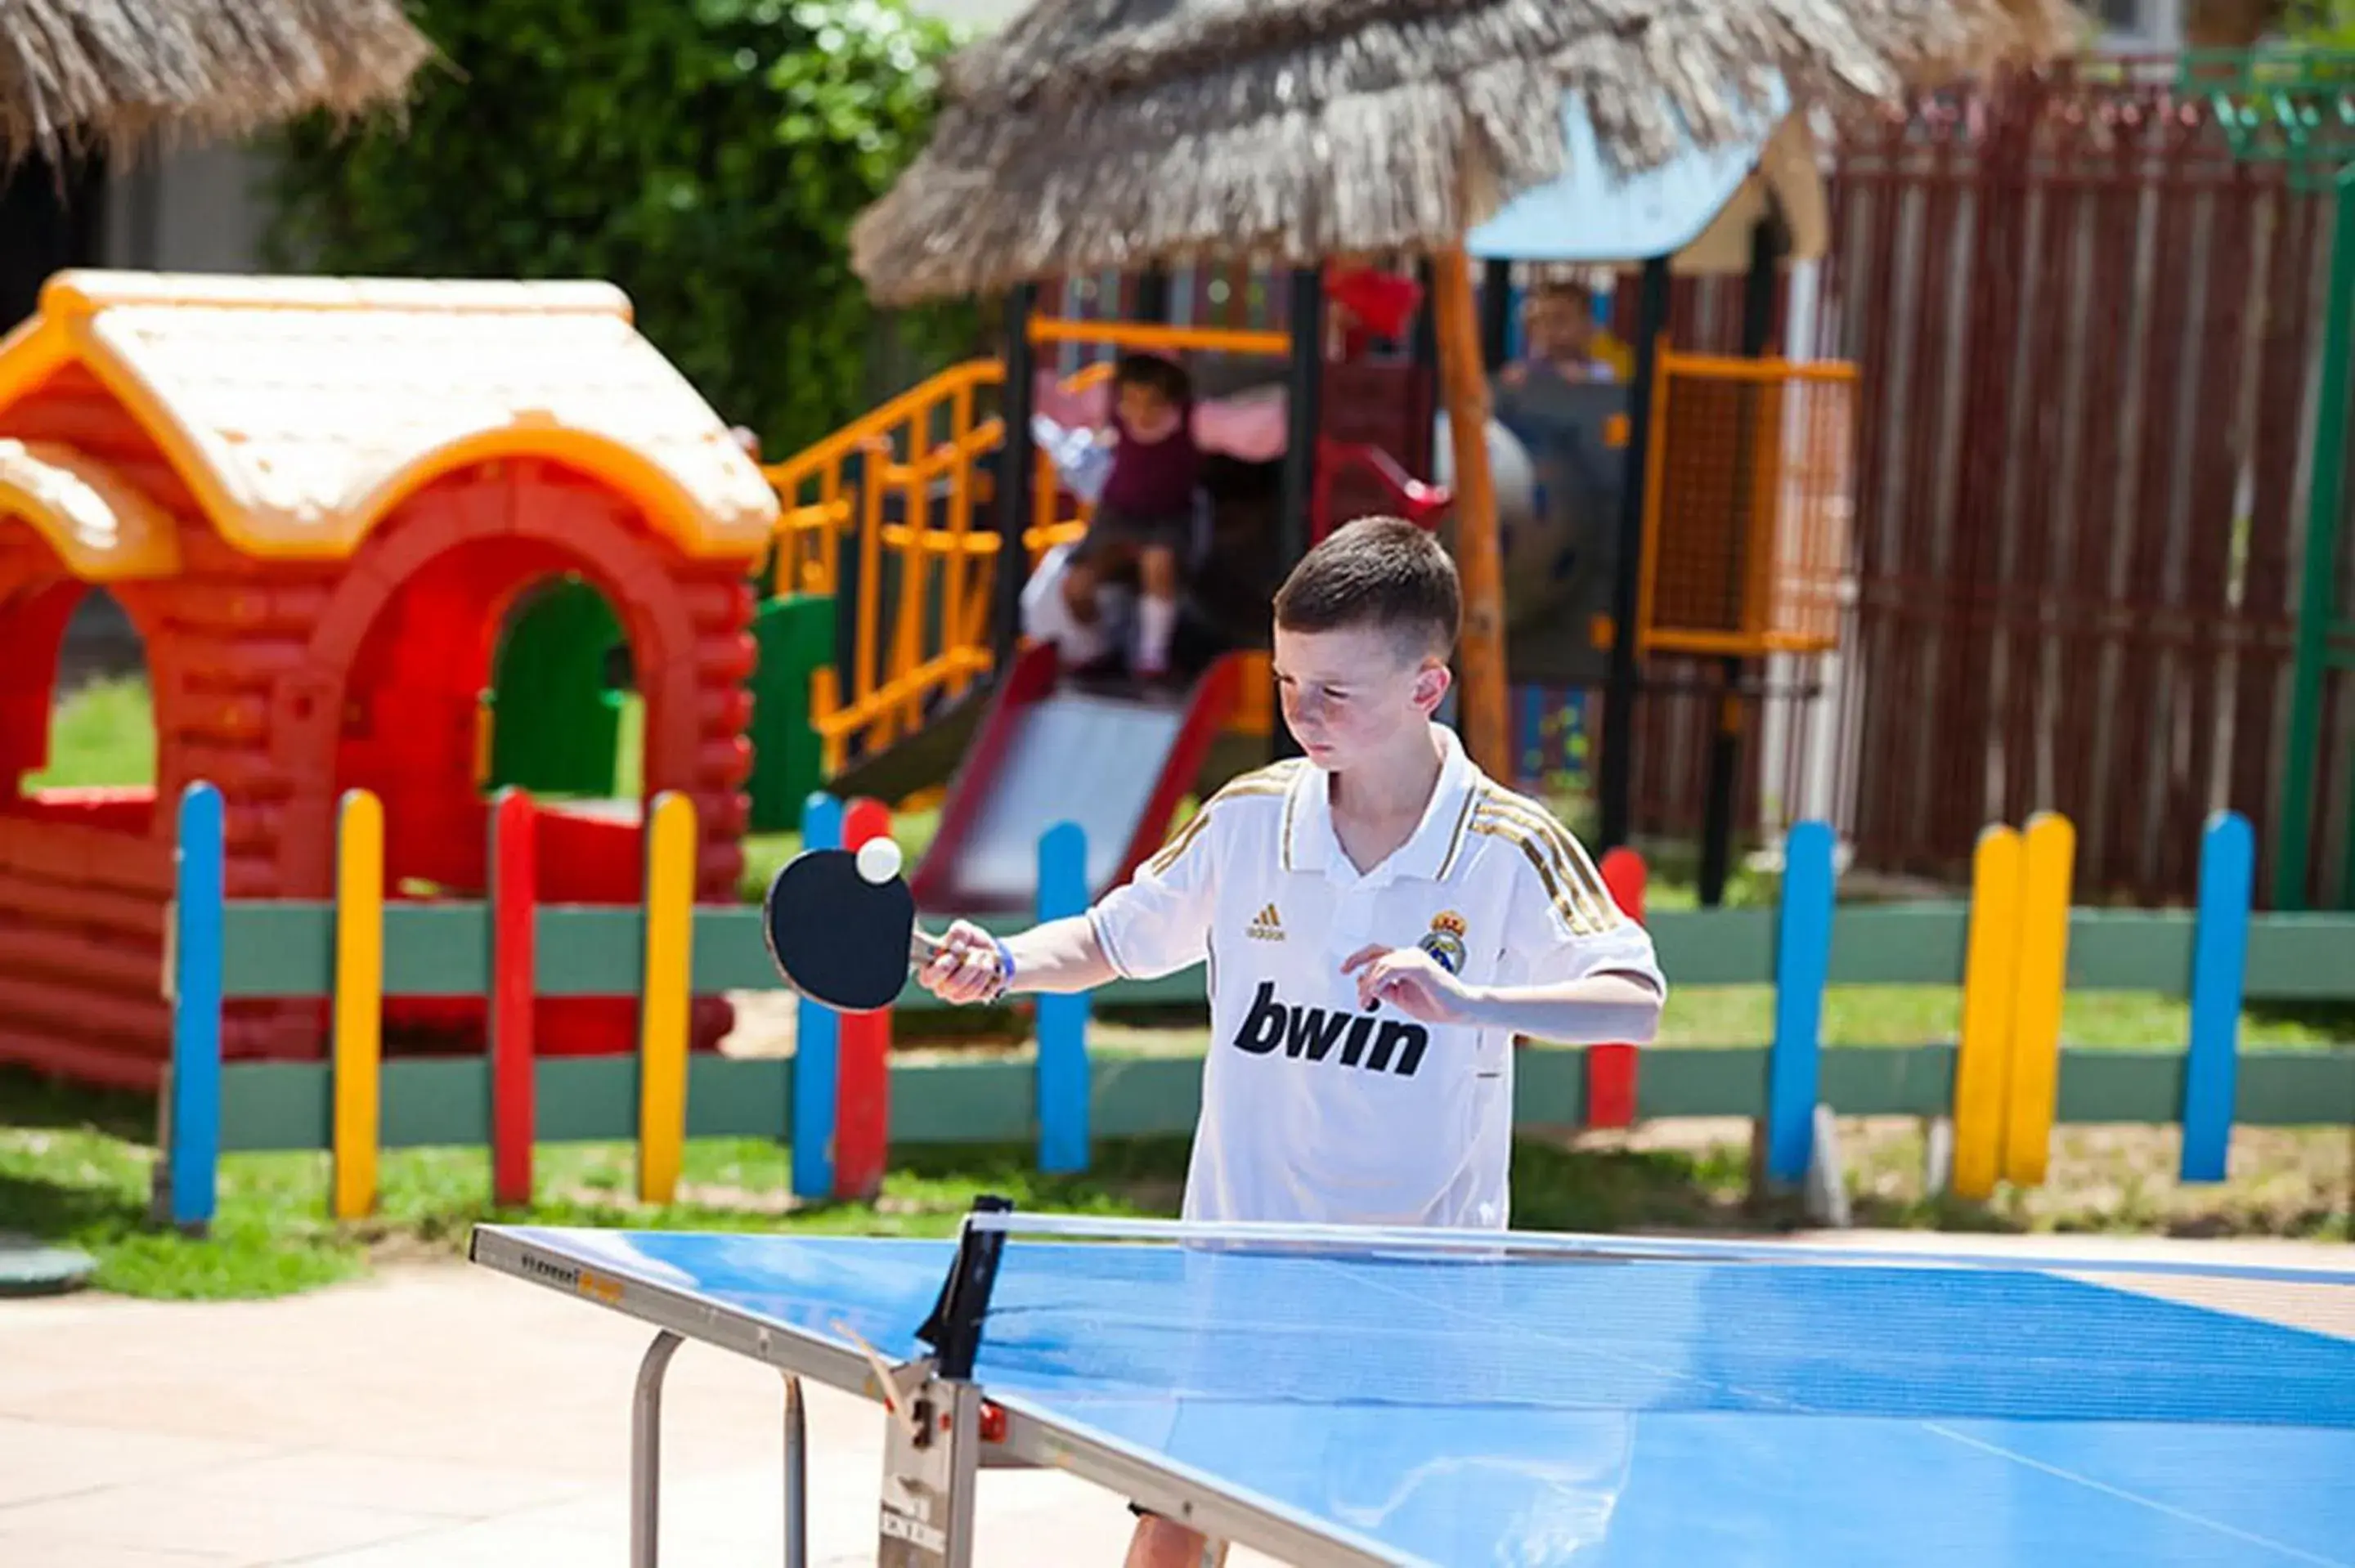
(1377, 571)
(1154, 373)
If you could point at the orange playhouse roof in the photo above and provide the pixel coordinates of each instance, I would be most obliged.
(300, 410)
(102, 527)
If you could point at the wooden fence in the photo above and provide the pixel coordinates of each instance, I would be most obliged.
(2014, 948)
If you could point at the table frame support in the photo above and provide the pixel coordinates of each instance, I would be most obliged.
(645, 1459)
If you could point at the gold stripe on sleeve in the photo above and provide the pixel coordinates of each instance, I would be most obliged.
(1265, 781)
(1456, 839)
(1571, 858)
(1584, 907)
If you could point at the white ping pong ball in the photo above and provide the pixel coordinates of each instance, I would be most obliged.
(878, 860)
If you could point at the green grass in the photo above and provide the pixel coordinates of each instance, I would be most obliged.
(103, 734)
(630, 747)
(1921, 1014)
(75, 1168)
(766, 854)
(76, 1165)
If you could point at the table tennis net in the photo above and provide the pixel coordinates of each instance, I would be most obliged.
(1097, 1321)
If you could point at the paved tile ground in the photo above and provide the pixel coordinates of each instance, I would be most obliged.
(439, 1415)
(443, 1416)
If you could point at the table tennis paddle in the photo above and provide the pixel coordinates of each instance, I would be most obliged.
(841, 926)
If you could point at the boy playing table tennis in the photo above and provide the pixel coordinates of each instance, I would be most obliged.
(1380, 918)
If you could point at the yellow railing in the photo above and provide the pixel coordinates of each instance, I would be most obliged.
(840, 490)
(1748, 502)
(1149, 335)
(810, 530)
(1057, 517)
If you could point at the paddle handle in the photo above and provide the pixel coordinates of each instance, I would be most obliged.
(922, 949)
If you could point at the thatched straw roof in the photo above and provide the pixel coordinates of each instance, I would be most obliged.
(1098, 133)
(76, 74)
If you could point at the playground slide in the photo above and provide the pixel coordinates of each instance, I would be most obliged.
(1048, 751)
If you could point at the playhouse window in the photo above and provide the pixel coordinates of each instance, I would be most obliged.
(77, 719)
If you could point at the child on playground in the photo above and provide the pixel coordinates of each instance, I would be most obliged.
(1145, 517)
(1383, 921)
(1563, 334)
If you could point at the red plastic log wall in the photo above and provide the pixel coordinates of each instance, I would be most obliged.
(284, 684)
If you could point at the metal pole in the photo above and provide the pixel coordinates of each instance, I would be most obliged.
(965, 1465)
(1620, 685)
(1725, 741)
(1152, 295)
(1496, 312)
(1303, 423)
(1017, 477)
(1422, 344)
(646, 1450)
(796, 1477)
(1304, 411)
(2318, 560)
(1424, 399)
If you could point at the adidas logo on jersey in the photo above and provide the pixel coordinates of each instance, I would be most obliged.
(1351, 1039)
(1266, 926)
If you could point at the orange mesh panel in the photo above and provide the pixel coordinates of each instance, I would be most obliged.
(1746, 535)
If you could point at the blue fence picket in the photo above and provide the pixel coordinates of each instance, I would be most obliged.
(2220, 948)
(1803, 952)
(1063, 1020)
(817, 1040)
(194, 1119)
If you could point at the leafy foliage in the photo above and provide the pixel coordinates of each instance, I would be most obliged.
(706, 155)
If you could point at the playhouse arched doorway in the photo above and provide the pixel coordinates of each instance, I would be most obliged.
(99, 766)
(416, 728)
(407, 657)
(77, 704)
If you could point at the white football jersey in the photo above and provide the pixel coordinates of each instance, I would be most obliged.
(1314, 1110)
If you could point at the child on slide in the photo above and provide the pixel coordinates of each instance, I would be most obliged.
(1145, 517)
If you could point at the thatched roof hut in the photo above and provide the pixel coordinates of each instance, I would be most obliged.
(117, 74)
(1116, 133)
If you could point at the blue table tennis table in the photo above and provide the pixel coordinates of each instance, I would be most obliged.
(1377, 1396)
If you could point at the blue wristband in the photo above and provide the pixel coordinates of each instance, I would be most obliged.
(1005, 965)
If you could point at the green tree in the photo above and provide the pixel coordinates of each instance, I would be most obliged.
(2245, 24)
(706, 155)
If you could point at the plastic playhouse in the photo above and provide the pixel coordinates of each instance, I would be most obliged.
(317, 501)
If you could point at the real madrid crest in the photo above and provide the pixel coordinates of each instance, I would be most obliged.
(1444, 940)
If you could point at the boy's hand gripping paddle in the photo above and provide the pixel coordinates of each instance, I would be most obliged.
(841, 926)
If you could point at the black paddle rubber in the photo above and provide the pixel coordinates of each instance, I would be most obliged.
(838, 938)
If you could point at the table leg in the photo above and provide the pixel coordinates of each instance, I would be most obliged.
(646, 1448)
(796, 1477)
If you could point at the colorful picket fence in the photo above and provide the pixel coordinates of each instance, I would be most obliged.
(841, 1101)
